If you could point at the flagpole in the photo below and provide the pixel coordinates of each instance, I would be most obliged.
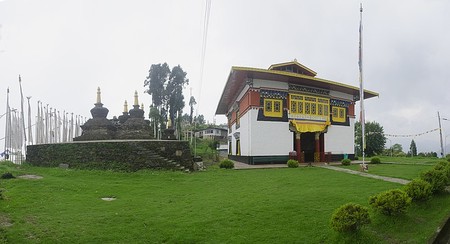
(8, 126)
(361, 89)
(30, 134)
(22, 123)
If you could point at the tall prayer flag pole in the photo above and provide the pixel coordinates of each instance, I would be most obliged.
(8, 125)
(23, 131)
(30, 134)
(361, 86)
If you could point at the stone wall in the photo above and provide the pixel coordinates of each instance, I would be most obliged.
(128, 155)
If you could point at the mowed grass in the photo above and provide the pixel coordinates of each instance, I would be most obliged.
(409, 160)
(216, 206)
(403, 171)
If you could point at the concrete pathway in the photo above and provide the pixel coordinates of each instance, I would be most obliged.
(378, 177)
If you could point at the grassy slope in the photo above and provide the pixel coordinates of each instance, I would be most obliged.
(217, 206)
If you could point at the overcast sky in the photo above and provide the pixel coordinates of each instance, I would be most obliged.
(64, 50)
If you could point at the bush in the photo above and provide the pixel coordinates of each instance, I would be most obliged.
(356, 158)
(375, 160)
(436, 178)
(226, 164)
(291, 163)
(7, 175)
(349, 217)
(418, 190)
(445, 167)
(392, 202)
(346, 161)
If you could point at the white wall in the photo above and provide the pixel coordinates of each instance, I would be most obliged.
(270, 137)
(340, 139)
(262, 138)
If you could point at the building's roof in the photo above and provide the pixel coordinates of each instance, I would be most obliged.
(295, 67)
(239, 76)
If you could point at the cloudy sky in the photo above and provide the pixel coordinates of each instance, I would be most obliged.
(64, 50)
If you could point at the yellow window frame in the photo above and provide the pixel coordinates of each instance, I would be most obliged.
(273, 107)
(339, 114)
(310, 105)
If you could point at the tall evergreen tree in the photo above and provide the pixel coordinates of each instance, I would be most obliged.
(174, 91)
(413, 148)
(166, 88)
(156, 81)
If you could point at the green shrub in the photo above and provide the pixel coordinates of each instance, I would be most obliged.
(7, 175)
(291, 163)
(375, 160)
(226, 164)
(346, 161)
(418, 190)
(349, 217)
(392, 202)
(356, 158)
(436, 178)
(445, 167)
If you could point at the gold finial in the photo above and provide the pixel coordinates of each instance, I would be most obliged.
(99, 99)
(169, 123)
(125, 107)
(136, 100)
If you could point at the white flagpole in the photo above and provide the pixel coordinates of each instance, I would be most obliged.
(46, 125)
(8, 125)
(361, 89)
(64, 135)
(38, 120)
(59, 127)
(71, 127)
(30, 134)
(22, 121)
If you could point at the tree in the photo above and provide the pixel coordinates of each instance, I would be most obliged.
(174, 92)
(413, 148)
(156, 80)
(166, 88)
(192, 103)
(200, 119)
(397, 149)
(375, 139)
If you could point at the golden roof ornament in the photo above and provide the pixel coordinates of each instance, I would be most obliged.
(136, 100)
(99, 98)
(125, 107)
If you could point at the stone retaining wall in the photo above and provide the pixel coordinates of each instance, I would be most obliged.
(128, 155)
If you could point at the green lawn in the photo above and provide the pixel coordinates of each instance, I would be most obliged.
(403, 171)
(409, 160)
(217, 206)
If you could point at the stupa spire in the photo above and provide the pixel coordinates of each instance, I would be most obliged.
(136, 100)
(99, 96)
(125, 107)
